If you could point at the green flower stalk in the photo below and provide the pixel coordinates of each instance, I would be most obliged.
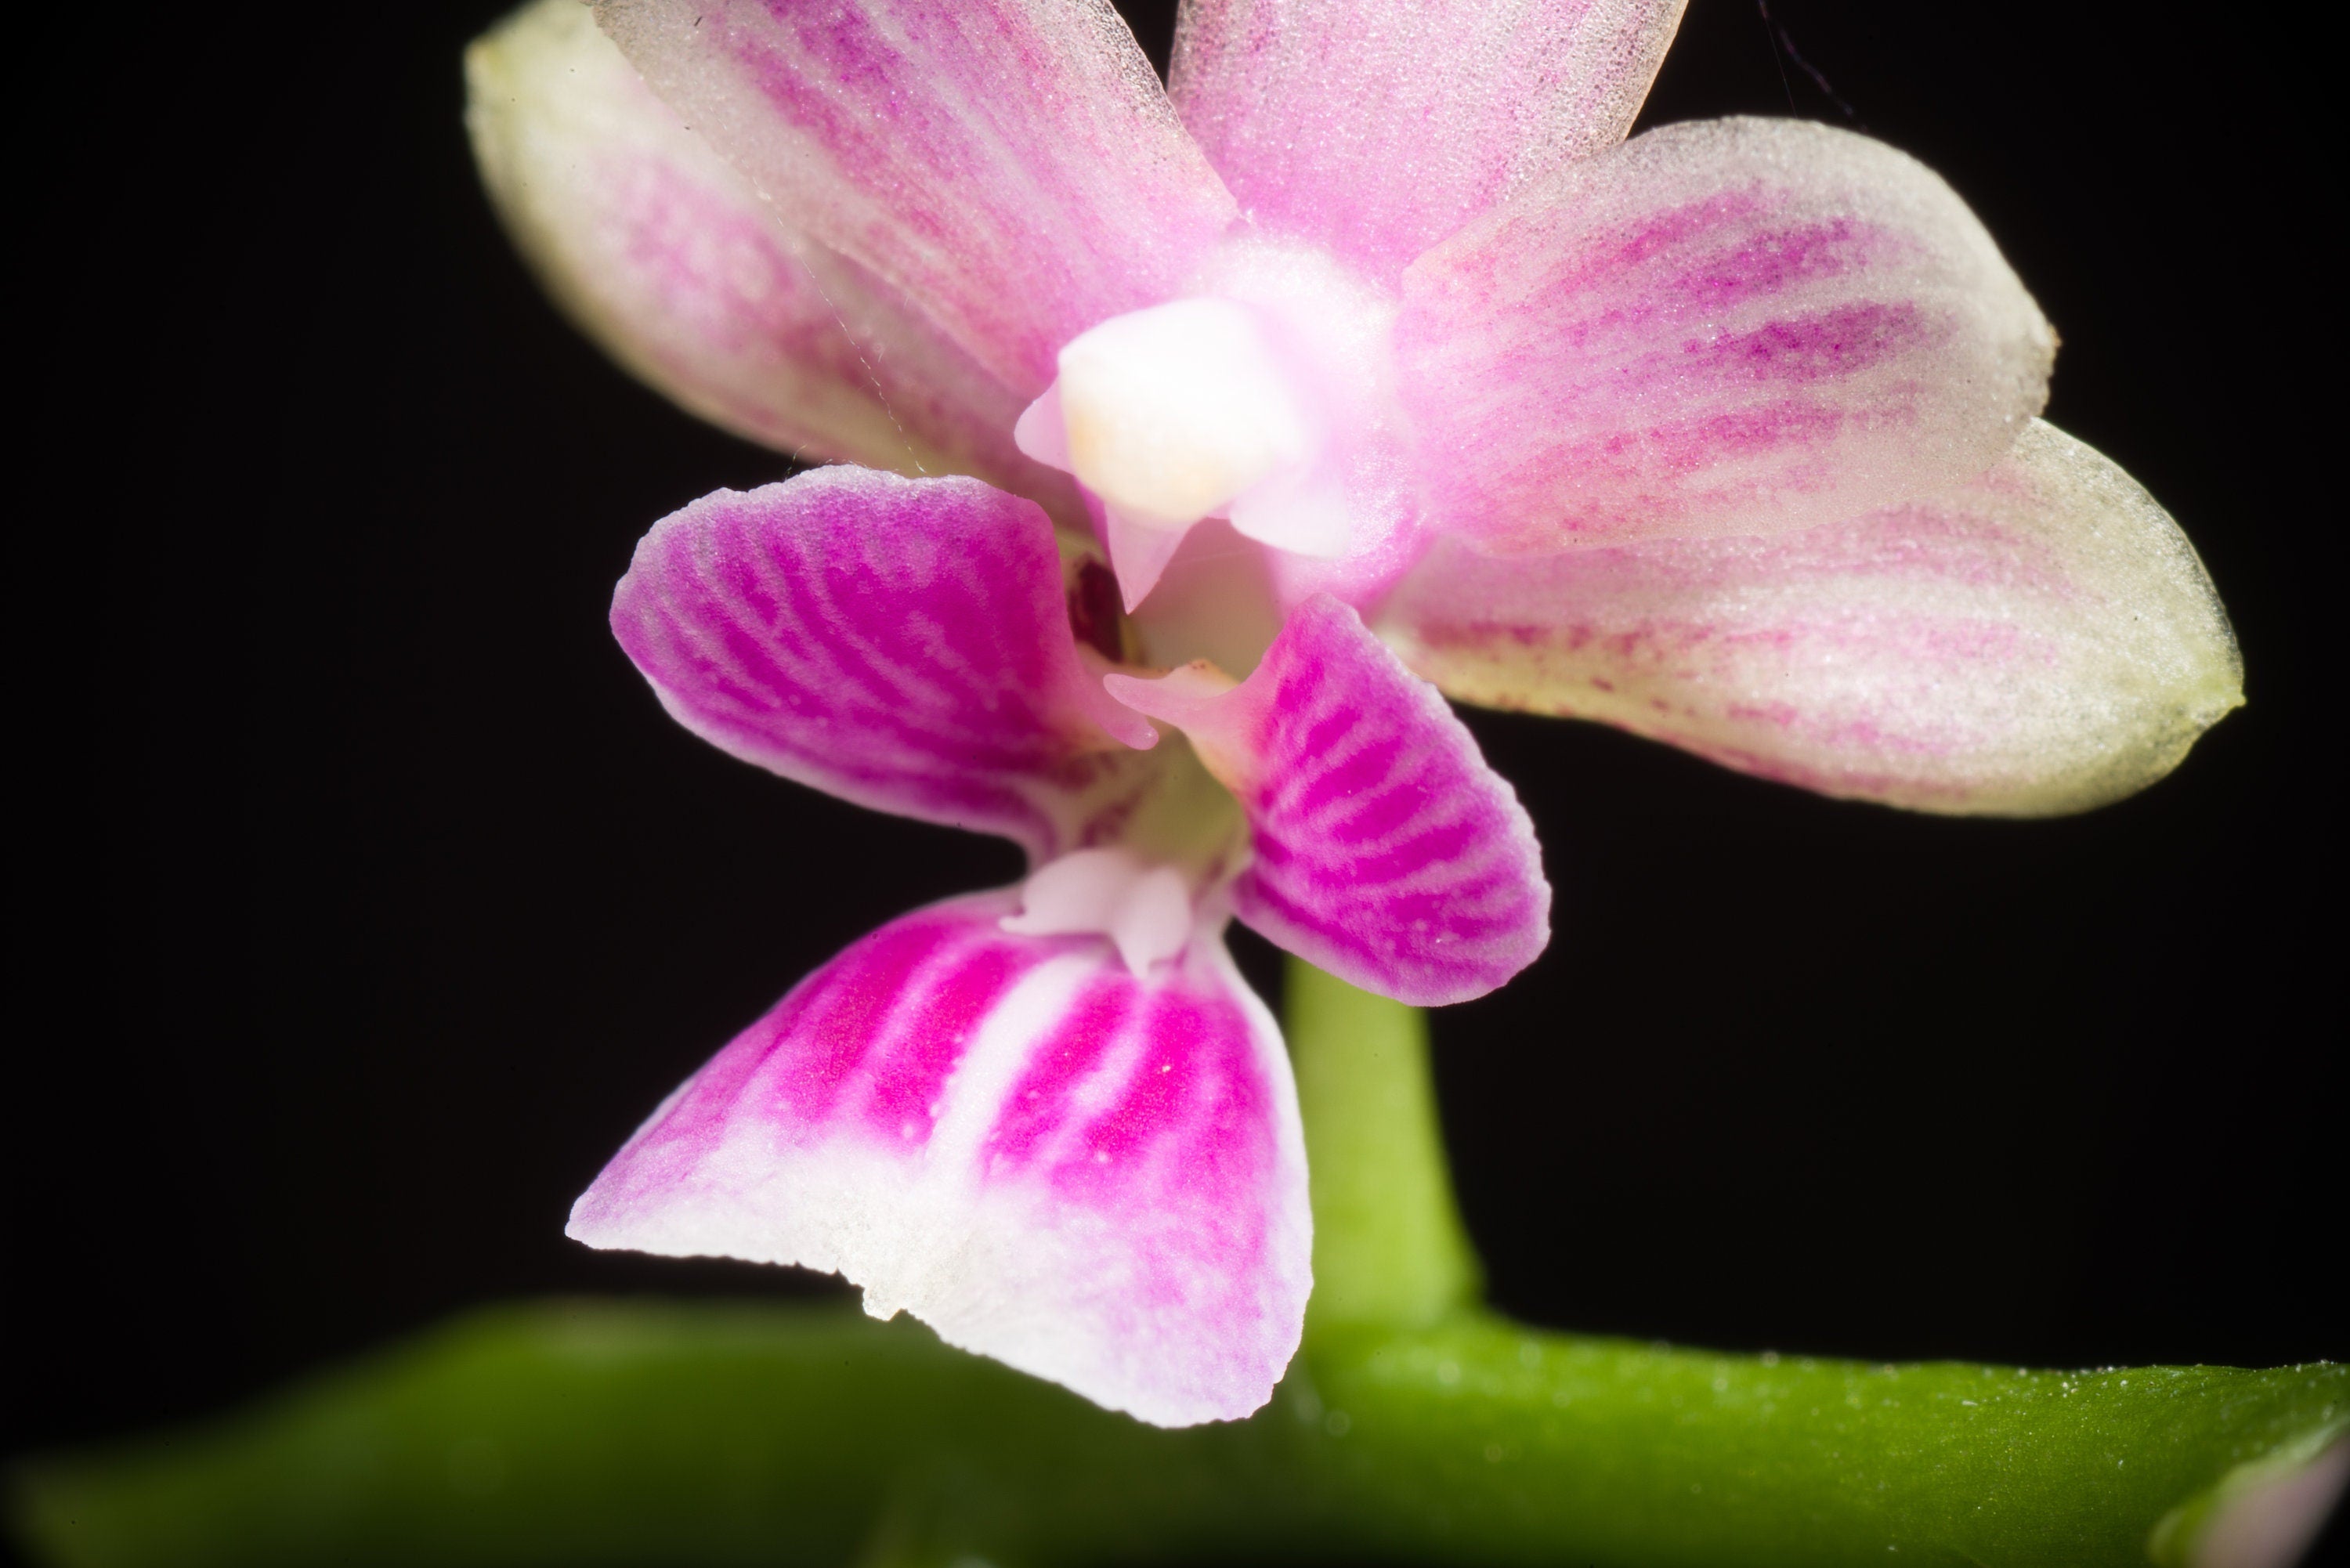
(1414, 1427)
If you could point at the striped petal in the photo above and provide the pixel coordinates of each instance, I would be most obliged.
(1094, 1177)
(1011, 163)
(900, 643)
(1386, 851)
(1735, 326)
(1379, 128)
(663, 254)
(2042, 639)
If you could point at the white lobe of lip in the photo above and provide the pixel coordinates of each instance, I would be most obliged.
(1144, 910)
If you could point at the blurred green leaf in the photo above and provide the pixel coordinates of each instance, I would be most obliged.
(588, 1433)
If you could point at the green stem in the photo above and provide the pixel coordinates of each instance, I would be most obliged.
(1413, 1427)
(1389, 1247)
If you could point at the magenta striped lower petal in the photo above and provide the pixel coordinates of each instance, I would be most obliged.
(1096, 1178)
(1387, 852)
(900, 643)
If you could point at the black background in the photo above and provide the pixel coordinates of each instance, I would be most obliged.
(366, 901)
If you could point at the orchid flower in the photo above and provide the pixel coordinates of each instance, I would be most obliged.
(1192, 442)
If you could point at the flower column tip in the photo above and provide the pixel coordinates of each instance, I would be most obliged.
(1176, 413)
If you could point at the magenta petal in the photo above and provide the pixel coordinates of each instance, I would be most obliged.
(1730, 327)
(900, 643)
(1377, 128)
(1387, 852)
(1098, 1178)
(2041, 639)
(663, 254)
(1012, 164)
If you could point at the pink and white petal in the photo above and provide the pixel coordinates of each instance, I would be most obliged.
(1387, 852)
(663, 255)
(1094, 1177)
(1379, 128)
(2040, 640)
(1012, 164)
(900, 643)
(1735, 326)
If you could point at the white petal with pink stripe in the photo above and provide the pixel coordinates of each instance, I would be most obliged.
(1378, 129)
(665, 255)
(2039, 639)
(1723, 327)
(1011, 163)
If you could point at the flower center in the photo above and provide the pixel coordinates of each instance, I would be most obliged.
(1172, 413)
(1179, 413)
